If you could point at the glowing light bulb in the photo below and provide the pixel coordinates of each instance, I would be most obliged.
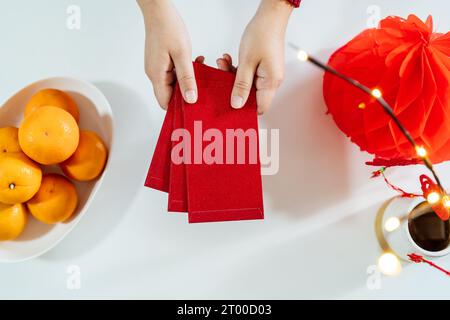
(391, 224)
(446, 201)
(433, 197)
(376, 93)
(421, 152)
(12, 186)
(302, 55)
(389, 264)
(362, 105)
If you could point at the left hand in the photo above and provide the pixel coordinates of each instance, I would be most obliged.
(261, 55)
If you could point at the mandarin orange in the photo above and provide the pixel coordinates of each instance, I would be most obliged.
(13, 219)
(89, 160)
(49, 135)
(20, 178)
(9, 140)
(55, 201)
(55, 98)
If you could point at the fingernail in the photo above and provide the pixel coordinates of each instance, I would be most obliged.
(237, 102)
(191, 96)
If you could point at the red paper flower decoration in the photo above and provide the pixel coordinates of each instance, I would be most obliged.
(410, 65)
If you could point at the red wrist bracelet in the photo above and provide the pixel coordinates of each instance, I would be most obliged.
(294, 3)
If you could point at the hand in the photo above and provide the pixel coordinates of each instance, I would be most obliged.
(261, 55)
(167, 51)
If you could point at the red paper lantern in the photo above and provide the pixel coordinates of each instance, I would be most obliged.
(410, 65)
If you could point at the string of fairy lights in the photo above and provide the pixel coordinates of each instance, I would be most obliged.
(437, 197)
(433, 197)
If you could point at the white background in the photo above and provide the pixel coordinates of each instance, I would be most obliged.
(317, 239)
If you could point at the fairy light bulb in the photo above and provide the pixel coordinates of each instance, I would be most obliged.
(446, 201)
(362, 105)
(389, 264)
(433, 197)
(12, 186)
(421, 152)
(392, 224)
(302, 55)
(376, 93)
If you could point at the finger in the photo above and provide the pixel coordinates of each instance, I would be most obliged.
(200, 59)
(161, 74)
(242, 85)
(186, 78)
(163, 94)
(264, 99)
(228, 58)
(163, 88)
(267, 82)
(223, 65)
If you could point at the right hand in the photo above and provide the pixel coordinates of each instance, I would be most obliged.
(167, 51)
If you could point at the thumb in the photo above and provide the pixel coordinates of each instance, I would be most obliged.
(242, 85)
(186, 79)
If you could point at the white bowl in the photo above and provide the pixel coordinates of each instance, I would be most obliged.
(95, 115)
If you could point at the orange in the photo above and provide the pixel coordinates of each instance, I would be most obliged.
(55, 201)
(9, 140)
(20, 178)
(89, 160)
(12, 221)
(55, 98)
(49, 135)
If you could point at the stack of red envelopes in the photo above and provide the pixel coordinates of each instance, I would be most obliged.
(207, 154)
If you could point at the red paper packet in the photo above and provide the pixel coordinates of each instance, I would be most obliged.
(177, 185)
(209, 192)
(159, 172)
(222, 192)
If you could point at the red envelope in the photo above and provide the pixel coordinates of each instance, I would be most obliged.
(159, 172)
(177, 185)
(223, 190)
(228, 191)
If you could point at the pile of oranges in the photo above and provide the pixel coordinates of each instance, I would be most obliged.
(48, 135)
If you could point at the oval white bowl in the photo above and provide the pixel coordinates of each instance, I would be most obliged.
(95, 115)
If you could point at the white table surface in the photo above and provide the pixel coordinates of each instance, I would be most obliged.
(317, 239)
